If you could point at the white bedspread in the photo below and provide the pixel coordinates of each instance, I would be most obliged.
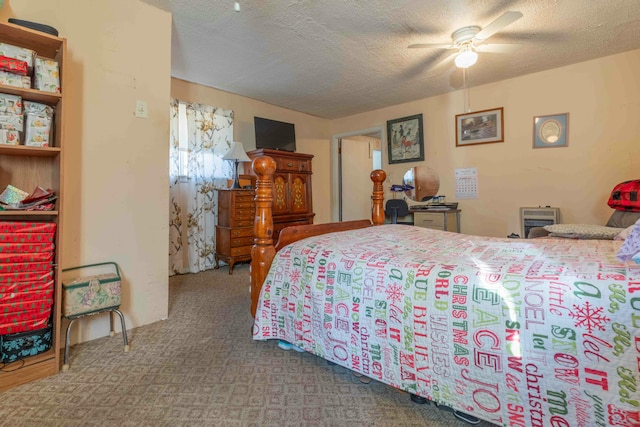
(517, 332)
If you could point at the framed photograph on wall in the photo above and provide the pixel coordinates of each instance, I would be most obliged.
(480, 127)
(551, 131)
(404, 139)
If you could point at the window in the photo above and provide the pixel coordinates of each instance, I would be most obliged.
(207, 162)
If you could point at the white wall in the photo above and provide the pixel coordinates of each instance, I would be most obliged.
(601, 97)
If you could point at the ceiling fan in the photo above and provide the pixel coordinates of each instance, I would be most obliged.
(468, 39)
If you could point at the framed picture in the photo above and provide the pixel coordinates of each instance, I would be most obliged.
(551, 131)
(480, 127)
(404, 139)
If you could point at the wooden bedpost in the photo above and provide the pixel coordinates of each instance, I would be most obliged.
(263, 250)
(377, 211)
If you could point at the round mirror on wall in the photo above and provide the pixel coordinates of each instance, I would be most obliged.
(425, 183)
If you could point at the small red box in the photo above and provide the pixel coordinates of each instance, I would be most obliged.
(24, 325)
(27, 257)
(27, 237)
(27, 276)
(21, 267)
(14, 248)
(25, 287)
(15, 307)
(14, 66)
(13, 298)
(27, 227)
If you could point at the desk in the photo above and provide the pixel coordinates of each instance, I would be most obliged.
(445, 220)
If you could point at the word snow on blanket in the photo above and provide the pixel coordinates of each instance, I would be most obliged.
(541, 332)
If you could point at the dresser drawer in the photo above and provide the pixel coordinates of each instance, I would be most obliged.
(242, 232)
(240, 251)
(244, 199)
(243, 213)
(245, 205)
(293, 165)
(429, 220)
(243, 217)
(241, 241)
(444, 220)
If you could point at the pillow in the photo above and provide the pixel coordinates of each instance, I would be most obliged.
(630, 249)
(582, 231)
(624, 233)
(622, 219)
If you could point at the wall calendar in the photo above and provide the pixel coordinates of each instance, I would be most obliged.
(466, 183)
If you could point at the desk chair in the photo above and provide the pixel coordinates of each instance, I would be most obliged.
(396, 208)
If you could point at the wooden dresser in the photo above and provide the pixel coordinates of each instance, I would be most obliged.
(291, 188)
(234, 232)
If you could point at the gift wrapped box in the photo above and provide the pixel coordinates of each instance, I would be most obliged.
(7, 299)
(47, 75)
(38, 108)
(31, 305)
(37, 130)
(24, 325)
(10, 79)
(30, 257)
(9, 137)
(25, 315)
(25, 287)
(12, 122)
(10, 104)
(19, 267)
(25, 247)
(27, 237)
(19, 53)
(27, 227)
(26, 277)
(12, 65)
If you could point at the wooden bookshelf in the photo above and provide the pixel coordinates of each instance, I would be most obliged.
(29, 167)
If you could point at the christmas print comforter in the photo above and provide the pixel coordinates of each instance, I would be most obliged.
(540, 332)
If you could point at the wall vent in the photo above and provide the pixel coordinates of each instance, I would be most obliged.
(537, 217)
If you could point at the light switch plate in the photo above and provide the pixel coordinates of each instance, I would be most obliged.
(141, 109)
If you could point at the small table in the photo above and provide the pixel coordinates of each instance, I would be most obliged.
(437, 219)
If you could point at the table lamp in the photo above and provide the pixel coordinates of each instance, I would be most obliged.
(236, 153)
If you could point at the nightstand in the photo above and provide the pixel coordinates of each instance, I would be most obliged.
(445, 220)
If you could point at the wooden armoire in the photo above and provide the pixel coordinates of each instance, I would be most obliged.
(291, 188)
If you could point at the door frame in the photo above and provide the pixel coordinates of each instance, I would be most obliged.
(336, 159)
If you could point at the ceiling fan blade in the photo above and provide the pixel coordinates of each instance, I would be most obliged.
(499, 23)
(498, 48)
(431, 45)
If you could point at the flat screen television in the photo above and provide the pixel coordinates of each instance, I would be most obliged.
(274, 134)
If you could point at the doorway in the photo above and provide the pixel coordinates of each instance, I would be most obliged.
(354, 156)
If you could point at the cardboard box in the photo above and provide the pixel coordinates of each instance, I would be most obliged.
(10, 104)
(12, 65)
(15, 80)
(47, 75)
(9, 137)
(12, 122)
(20, 53)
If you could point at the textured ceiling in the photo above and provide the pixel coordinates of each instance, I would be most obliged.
(335, 58)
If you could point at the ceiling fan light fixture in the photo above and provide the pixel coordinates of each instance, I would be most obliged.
(466, 58)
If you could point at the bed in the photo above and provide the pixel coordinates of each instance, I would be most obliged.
(542, 332)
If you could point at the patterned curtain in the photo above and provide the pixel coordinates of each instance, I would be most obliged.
(196, 170)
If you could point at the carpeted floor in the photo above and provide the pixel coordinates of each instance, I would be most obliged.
(201, 368)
